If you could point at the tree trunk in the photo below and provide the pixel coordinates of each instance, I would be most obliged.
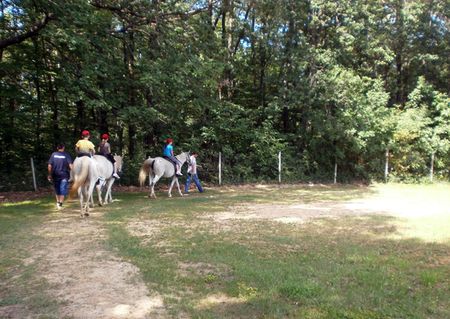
(129, 61)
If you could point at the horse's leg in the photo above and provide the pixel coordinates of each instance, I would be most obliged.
(152, 188)
(178, 185)
(98, 187)
(171, 185)
(86, 201)
(90, 193)
(80, 196)
(108, 196)
(150, 184)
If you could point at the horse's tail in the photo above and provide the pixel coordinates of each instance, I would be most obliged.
(145, 170)
(79, 179)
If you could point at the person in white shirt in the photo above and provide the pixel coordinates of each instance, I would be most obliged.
(192, 174)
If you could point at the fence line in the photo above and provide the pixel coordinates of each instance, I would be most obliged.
(335, 167)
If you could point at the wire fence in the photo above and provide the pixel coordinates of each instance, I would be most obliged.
(219, 170)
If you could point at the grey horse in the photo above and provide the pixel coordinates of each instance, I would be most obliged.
(159, 167)
(106, 180)
(85, 176)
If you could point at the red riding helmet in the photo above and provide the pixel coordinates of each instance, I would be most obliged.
(169, 140)
(85, 133)
(105, 136)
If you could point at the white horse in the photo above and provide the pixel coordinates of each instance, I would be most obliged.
(159, 167)
(85, 176)
(106, 180)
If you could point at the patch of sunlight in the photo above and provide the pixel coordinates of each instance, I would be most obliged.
(420, 211)
(290, 220)
(427, 228)
(121, 310)
(218, 299)
(264, 186)
(26, 202)
(140, 309)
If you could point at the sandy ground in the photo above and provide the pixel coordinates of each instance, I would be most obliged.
(88, 280)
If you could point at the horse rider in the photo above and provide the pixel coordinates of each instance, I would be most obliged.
(105, 149)
(84, 147)
(168, 154)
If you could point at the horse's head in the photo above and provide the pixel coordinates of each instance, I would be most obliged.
(118, 160)
(188, 157)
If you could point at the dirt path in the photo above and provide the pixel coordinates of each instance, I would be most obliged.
(89, 280)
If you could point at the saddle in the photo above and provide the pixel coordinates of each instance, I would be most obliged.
(171, 161)
(109, 156)
(84, 154)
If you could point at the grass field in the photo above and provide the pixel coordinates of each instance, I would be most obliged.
(381, 251)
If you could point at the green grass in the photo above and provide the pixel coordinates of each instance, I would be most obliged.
(19, 284)
(352, 267)
(370, 266)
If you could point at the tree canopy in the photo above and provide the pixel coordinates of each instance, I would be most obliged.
(327, 83)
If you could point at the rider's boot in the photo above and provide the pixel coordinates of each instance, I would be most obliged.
(115, 175)
(179, 170)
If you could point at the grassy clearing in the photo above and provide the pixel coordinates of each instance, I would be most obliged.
(372, 266)
(395, 265)
(22, 293)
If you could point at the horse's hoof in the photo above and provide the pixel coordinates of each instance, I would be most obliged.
(86, 214)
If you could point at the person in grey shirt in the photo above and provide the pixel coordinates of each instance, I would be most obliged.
(192, 174)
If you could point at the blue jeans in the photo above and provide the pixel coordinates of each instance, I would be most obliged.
(61, 186)
(196, 181)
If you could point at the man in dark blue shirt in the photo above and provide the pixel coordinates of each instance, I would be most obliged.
(59, 166)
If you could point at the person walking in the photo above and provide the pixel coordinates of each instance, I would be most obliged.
(105, 149)
(84, 147)
(192, 174)
(59, 167)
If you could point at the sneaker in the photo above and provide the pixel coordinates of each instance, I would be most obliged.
(58, 206)
(179, 174)
(116, 176)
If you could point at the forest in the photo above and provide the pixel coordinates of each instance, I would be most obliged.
(361, 87)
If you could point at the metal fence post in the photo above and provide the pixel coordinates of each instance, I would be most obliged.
(34, 175)
(220, 168)
(335, 172)
(279, 167)
(386, 166)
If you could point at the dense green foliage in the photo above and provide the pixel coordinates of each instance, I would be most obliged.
(323, 82)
